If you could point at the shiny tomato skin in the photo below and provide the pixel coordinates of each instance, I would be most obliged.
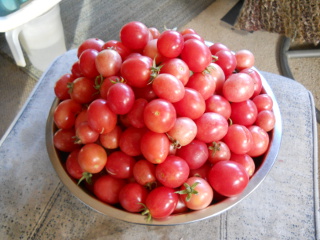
(144, 172)
(170, 43)
(83, 90)
(120, 165)
(72, 166)
(134, 35)
(100, 116)
(108, 62)
(65, 113)
(131, 196)
(178, 68)
(228, 178)
(61, 89)
(92, 158)
(239, 139)
(159, 115)
(204, 196)
(196, 55)
(173, 172)
(161, 202)
(120, 98)
(155, 147)
(107, 189)
(244, 113)
(260, 141)
(63, 140)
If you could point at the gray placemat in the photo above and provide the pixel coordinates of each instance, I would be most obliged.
(35, 205)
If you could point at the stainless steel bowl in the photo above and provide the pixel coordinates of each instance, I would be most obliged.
(266, 163)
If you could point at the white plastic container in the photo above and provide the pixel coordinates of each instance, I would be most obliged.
(41, 35)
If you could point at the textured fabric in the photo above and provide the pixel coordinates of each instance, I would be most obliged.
(298, 20)
(34, 204)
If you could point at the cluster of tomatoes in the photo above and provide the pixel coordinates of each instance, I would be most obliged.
(161, 122)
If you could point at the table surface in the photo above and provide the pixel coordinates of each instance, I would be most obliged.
(36, 205)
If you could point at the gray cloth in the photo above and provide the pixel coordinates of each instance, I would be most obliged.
(35, 204)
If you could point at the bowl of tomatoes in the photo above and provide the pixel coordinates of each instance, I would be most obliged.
(162, 128)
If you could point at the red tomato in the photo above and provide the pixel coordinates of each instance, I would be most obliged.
(266, 120)
(83, 90)
(144, 172)
(168, 87)
(228, 178)
(155, 146)
(135, 115)
(204, 83)
(159, 115)
(160, 203)
(119, 47)
(227, 61)
(196, 55)
(177, 68)
(111, 139)
(90, 43)
(130, 140)
(218, 151)
(107, 189)
(100, 116)
(218, 76)
(92, 158)
(131, 196)
(170, 43)
(108, 62)
(220, 105)
(246, 161)
(245, 59)
(72, 166)
(120, 98)
(256, 79)
(260, 141)
(216, 47)
(192, 105)
(195, 153)
(61, 89)
(134, 35)
(151, 51)
(244, 113)
(64, 115)
(120, 165)
(173, 172)
(263, 102)
(196, 193)
(85, 134)
(211, 127)
(87, 63)
(63, 140)
(183, 131)
(239, 139)
(238, 87)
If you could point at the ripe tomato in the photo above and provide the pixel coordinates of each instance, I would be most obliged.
(263, 102)
(63, 140)
(120, 165)
(204, 83)
(130, 140)
(160, 203)
(154, 32)
(75, 69)
(239, 139)
(87, 63)
(196, 55)
(85, 134)
(245, 59)
(106, 84)
(228, 178)
(144, 172)
(266, 120)
(218, 76)
(61, 89)
(151, 51)
(256, 79)
(83, 90)
(173, 172)
(108, 62)
(195, 153)
(72, 166)
(135, 115)
(192, 105)
(111, 139)
(211, 127)
(100, 116)
(155, 146)
(183, 131)
(64, 115)
(119, 47)
(238, 87)
(134, 35)
(168, 87)
(120, 98)
(260, 141)
(137, 70)
(216, 47)
(170, 43)
(227, 61)
(218, 151)
(178, 68)
(90, 43)
(244, 113)
(159, 115)
(92, 158)
(196, 193)
(218, 104)
(131, 196)
(246, 161)
(107, 189)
